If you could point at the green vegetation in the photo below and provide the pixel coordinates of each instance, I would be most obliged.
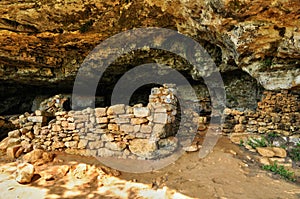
(241, 142)
(295, 153)
(280, 170)
(264, 141)
(257, 142)
(283, 146)
(271, 136)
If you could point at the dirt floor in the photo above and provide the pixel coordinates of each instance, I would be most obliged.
(228, 172)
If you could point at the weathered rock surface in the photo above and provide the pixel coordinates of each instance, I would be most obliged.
(25, 172)
(44, 43)
(80, 171)
(258, 36)
(142, 147)
(271, 152)
(38, 157)
(54, 172)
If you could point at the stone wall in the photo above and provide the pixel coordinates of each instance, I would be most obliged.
(277, 112)
(137, 131)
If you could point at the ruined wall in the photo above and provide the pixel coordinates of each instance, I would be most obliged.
(119, 130)
(277, 112)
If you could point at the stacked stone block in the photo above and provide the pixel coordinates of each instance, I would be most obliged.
(278, 112)
(55, 104)
(23, 138)
(118, 130)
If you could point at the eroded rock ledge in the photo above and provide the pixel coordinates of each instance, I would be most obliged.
(43, 43)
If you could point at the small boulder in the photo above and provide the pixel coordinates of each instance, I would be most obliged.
(48, 156)
(25, 172)
(27, 146)
(4, 144)
(279, 152)
(14, 134)
(19, 152)
(54, 172)
(11, 151)
(265, 151)
(33, 156)
(191, 148)
(80, 171)
(264, 160)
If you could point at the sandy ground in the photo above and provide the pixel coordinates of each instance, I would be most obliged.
(228, 172)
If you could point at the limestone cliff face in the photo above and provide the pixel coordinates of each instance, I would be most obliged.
(260, 37)
(44, 42)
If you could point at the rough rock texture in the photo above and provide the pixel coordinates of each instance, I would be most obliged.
(25, 172)
(43, 42)
(277, 112)
(106, 131)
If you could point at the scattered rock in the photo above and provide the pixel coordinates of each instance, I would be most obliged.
(265, 151)
(14, 134)
(4, 144)
(25, 172)
(282, 162)
(27, 146)
(54, 172)
(278, 141)
(38, 157)
(277, 160)
(271, 152)
(33, 156)
(264, 160)
(48, 157)
(11, 151)
(233, 152)
(247, 146)
(14, 141)
(80, 171)
(191, 148)
(238, 137)
(279, 152)
(19, 152)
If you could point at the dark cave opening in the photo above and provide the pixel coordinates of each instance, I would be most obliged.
(242, 90)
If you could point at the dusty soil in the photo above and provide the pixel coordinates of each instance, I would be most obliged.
(228, 172)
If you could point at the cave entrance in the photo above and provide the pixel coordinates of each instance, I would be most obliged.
(141, 95)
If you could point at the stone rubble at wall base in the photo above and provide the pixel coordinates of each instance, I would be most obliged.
(119, 130)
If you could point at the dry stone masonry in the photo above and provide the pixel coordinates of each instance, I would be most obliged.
(138, 131)
(277, 112)
(273, 130)
(148, 132)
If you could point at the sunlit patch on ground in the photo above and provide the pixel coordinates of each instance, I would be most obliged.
(222, 174)
(92, 182)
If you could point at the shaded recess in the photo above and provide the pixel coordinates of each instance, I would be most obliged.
(242, 90)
